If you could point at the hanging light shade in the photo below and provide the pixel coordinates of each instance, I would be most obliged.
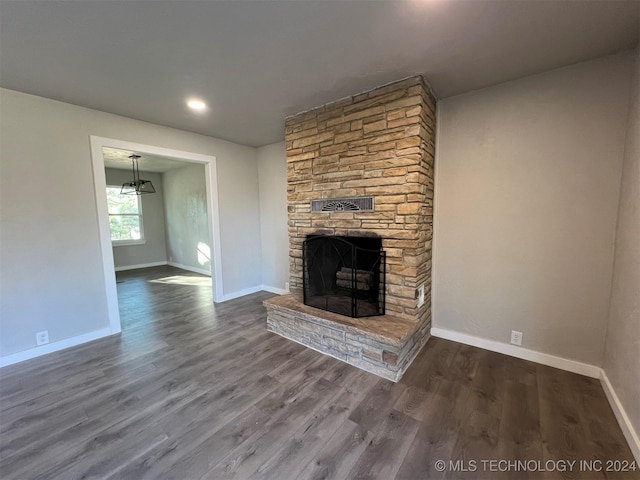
(137, 186)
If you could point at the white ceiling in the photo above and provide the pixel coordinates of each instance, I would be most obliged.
(255, 62)
(115, 158)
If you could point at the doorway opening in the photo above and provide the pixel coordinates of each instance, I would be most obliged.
(111, 163)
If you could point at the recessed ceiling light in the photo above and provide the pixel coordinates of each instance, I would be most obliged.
(198, 105)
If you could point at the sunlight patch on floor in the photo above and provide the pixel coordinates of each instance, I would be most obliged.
(184, 280)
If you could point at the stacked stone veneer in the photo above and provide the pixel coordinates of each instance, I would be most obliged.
(381, 345)
(378, 143)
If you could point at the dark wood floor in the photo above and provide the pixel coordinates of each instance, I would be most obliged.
(194, 390)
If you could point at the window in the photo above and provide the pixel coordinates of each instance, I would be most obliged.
(125, 217)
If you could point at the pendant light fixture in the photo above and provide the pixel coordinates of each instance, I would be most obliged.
(137, 186)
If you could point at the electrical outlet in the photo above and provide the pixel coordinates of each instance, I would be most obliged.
(516, 337)
(421, 295)
(286, 286)
(42, 338)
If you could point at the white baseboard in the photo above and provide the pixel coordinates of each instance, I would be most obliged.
(621, 415)
(140, 265)
(53, 347)
(519, 352)
(202, 271)
(257, 288)
(241, 293)
(279, 291)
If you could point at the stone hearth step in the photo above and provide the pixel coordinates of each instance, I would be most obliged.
(383, 345)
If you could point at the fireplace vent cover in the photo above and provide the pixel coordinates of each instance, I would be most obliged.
(352, 204)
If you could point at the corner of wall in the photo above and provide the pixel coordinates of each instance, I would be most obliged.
(620, 346)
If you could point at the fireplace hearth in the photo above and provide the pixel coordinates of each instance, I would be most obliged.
(344, 275)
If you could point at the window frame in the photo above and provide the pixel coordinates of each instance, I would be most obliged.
(123, 243)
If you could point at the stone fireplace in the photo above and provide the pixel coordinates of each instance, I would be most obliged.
(377, 144)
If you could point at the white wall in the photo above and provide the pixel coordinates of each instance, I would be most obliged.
(187, 220)
(272, 174)
(154, 249)
(241, 227)
(527, 185)
(622, 350)
(51, 273)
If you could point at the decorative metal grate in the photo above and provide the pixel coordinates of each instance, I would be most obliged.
(353, 204)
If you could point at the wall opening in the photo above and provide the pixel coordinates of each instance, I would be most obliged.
(98, 144)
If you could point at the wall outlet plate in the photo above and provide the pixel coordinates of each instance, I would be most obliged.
(516, 337)
(286, 286)
(421, 295)
(42, 338)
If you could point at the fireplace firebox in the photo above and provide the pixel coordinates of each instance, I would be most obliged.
(344, 275)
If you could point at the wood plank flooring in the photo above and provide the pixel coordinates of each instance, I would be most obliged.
(193, 390)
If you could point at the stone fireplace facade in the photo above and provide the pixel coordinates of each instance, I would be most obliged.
(379, 143)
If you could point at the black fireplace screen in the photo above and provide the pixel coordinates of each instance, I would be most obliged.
(344, 275)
